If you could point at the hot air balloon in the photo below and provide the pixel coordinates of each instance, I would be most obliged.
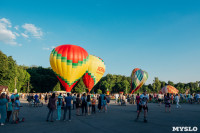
(69, 62)
(138, 78)
(169, 89)
(94, 73)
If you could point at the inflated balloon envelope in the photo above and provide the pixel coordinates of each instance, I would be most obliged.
(69, 62)
(94, 73)
(138, 78)
(169, 89)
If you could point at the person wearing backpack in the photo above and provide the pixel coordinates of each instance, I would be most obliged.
(84, 104)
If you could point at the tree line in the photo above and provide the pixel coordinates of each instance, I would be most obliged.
(39, 79)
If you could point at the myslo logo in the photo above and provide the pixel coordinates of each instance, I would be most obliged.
(185, 129)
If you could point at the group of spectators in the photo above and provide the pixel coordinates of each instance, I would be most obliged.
(84, 104)
(9, 106)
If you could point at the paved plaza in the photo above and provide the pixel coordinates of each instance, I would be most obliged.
(118, 119)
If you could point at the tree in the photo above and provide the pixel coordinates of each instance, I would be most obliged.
(170, 83)
(99, 91)
(126, 86)
(57, 87)
(156, 85)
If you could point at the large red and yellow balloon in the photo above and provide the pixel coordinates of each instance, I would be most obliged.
(69, 62)
(169, 89)
(96, 69)
(138, 78)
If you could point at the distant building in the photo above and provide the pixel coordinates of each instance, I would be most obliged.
(4, 89)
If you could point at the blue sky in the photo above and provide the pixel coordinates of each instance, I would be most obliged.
(161, 37)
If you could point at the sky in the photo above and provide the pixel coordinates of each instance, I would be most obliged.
(160, 37)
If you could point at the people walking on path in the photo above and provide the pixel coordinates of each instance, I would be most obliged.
(177, 101)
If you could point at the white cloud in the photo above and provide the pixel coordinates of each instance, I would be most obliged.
(31, 29)
(46, 49)
(16, 33)
(9, 34)
(6, 35)
(24, 35)
(53, 47)
(5, 22)
(16, 27)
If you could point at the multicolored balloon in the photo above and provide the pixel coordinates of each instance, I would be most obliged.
(94, 73)
(138, 78)
(169, 89)
(69, 62)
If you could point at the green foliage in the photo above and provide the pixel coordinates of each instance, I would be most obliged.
(11, 73)
(156, 85)
(99, 91)
(41, 79)
(57, 87)
(79, 87)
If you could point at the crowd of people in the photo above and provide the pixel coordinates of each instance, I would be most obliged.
(86, 104)
(9, 106)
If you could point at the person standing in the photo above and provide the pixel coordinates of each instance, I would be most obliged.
(84, 104)
(88, 104)
(45, 98)
(74, 101)
(172, 98)
(99, 104)
(104, 104)
(16, 110)
(9, 110)
(159, 99)
(68, 100)
(93, 105)
(198, 98)
(177, 101)
(59, 105)
(116, 97)
(12, 97)
(78, 104)
(36, 100)
(138, 101)
(167, 103)
(52, 107)
(3, 104)
(143, 105)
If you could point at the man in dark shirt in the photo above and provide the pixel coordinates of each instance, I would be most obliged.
(68, 100)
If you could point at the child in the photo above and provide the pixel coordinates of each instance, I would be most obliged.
(59, 105)
(16, 110)
(9, 110)
(105, 104)
(93, 105)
